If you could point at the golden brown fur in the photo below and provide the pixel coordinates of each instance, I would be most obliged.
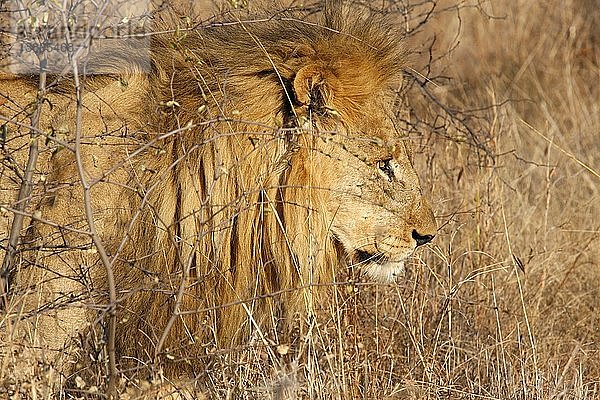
(283, 165)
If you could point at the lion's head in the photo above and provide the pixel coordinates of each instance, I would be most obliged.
(374, 202)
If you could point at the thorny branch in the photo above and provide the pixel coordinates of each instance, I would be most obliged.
(453, 115)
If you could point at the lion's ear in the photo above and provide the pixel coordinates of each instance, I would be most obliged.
(315, 87)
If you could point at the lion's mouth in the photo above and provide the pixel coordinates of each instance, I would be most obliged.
(378, 266)
(364, 257)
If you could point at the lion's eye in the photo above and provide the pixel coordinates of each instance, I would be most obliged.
(386, 169)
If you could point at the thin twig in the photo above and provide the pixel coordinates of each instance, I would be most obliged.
(452, 114)
(89, 214)
(565, 152)
(25, 189)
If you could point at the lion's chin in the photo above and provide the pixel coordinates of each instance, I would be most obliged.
(384, 272)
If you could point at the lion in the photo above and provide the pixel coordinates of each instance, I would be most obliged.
(217, 193)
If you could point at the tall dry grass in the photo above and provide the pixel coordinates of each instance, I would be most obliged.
(505, 303)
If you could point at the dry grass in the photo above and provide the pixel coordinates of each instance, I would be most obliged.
(506, 306)
(505, 303)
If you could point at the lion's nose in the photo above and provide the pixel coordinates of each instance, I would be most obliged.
(421, 239)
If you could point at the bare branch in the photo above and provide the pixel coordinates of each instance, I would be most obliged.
(26, 187)
(89, 214)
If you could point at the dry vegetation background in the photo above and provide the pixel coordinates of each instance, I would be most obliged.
(505, 303)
